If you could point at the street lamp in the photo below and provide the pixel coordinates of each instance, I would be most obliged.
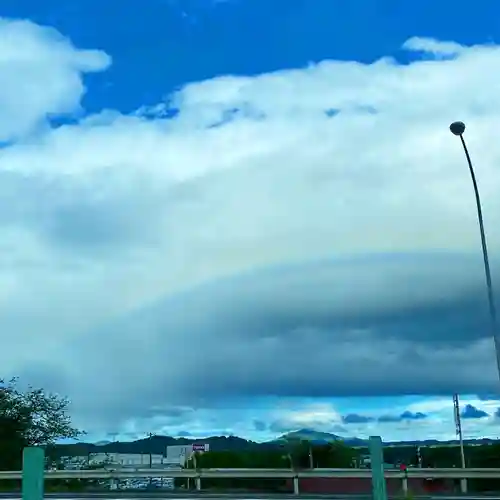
(458, 128)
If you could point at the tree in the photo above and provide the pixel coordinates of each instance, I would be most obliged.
(30, 418)
(246, 459)
(305, 454)
(342, 456)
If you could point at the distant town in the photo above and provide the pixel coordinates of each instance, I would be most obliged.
(165, 452)
(175, 457)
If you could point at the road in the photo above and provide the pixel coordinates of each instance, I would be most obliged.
(221, 496)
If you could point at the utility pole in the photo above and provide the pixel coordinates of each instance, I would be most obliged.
(458, 428)
(150, 435)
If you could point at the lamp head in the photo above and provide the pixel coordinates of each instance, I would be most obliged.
(457, 128)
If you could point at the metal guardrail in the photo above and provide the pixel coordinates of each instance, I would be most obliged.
(118, 473)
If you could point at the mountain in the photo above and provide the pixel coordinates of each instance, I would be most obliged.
(155, 445)
(312, 436)
(317, 437)
(158, 444)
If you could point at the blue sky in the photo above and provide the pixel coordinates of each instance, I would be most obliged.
(160, 45)
(248, 216)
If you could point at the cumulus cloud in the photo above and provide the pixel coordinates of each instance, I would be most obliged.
(395, 419)
(41, 76)
(471, 411)
(320, 416)
(406, 415)
(426, 418)
(354, 418)
(236, 241)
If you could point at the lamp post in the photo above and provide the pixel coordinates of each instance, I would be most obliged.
(458, 428)
(458, 129)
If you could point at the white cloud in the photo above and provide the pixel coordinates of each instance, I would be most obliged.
(434, 47)
(275, 418)
(437, 423)
(103, 217)
(318, 416)
(41, 76)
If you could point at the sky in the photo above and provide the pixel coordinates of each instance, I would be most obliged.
(249, 217)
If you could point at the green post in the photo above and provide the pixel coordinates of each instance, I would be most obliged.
(377, 465)
(33, 468)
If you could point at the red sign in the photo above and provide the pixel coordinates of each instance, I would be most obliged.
(199, 447)
(402, 467)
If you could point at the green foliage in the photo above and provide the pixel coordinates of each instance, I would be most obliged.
(237, 459)
(299, 454)
(445, 456)
(296, 454)
(305, 455)
(232, 459)
(30, 418)
(334, 455)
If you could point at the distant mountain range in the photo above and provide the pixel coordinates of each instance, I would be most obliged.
(317, 437)
(157, 444)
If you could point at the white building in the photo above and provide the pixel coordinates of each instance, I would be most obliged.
(74, 462)
(175, 458)
(135, 460)
(125, 460)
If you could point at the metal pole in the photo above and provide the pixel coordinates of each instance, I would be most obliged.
(458, 426)
(150, 457)
(458, 128)
(150, 435)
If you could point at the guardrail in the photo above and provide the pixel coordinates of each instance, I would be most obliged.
(295, 475)
(122, 473)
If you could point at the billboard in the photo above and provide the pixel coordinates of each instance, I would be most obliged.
(199, 447)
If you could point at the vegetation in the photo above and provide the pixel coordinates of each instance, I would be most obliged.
(298, 455)
(295, 454)
(444, 456)
(29, 418)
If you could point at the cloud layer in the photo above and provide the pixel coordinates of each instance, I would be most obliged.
(309, 232)
(420, 419)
